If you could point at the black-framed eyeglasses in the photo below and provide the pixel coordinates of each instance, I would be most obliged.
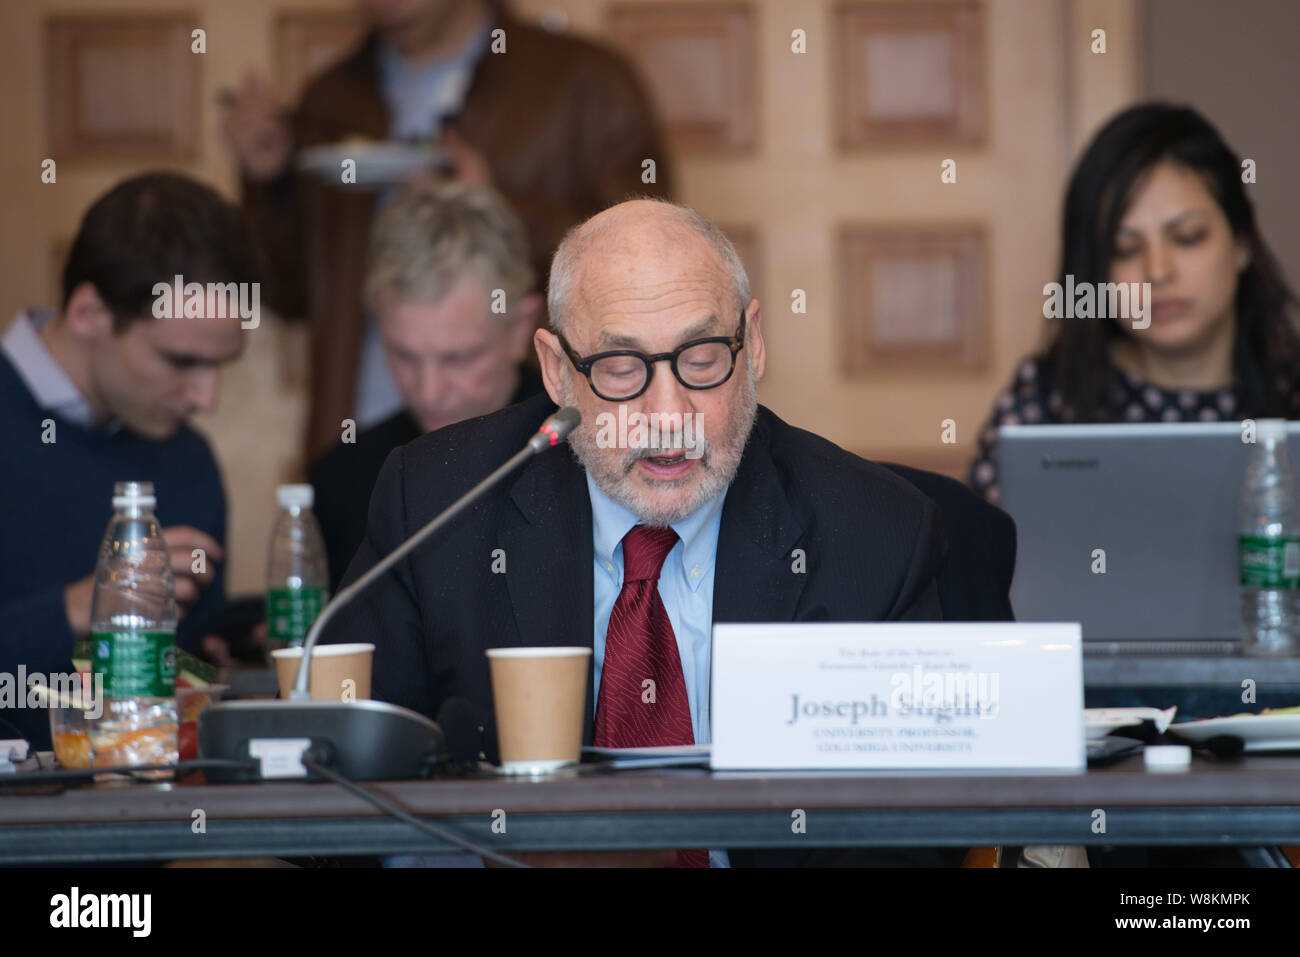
(624, 374)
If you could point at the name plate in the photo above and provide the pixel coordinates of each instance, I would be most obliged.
(900, 695)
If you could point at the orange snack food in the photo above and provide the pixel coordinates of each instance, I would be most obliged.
(72, 749)
(155, 745)
(192, 704)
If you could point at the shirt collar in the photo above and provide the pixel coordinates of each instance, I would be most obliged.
(698, 532)
(45, 378)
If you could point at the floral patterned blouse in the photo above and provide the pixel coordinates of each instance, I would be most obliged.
(1032, 399)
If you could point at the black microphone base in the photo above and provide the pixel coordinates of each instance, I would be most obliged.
(361, 740)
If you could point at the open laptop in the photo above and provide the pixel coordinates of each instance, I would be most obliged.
(1162, 501)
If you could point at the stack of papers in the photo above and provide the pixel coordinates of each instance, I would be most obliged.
(13, 751)
(670, 756)
(1099, 722)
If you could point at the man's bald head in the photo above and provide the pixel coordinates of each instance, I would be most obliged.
(613, 244)
(653, 305)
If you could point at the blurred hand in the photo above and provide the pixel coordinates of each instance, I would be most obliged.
(471, 166)
(181, 542)
(76, 605)
(256, 127)
(217, 650)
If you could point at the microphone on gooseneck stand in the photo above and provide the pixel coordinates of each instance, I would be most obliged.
(361, 740)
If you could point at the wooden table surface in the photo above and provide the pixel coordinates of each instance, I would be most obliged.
(1249, 802)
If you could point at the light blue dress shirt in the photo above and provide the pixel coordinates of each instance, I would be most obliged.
(44, 377)
(418, 97)
(685, 586)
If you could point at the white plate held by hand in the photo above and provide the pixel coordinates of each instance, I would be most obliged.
(381, 163)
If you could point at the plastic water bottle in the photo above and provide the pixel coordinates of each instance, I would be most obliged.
(1269, 547)
(133, 636)
(298, 577)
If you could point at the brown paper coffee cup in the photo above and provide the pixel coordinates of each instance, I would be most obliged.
(539, 695)
(338, 672)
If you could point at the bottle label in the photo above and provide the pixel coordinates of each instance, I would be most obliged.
(1269, 562)
(290, 612)
(135, 664)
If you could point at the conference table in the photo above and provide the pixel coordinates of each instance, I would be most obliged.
(1250, 802)
(1247, 802)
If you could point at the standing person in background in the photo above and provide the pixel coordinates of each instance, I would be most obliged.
(440, 260)
(1158, 198)
(560, 126)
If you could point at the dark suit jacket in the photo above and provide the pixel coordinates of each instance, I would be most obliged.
(345, 475)
(871, 544)
(975, 574)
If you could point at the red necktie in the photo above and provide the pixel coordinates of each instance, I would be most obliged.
(640, 646)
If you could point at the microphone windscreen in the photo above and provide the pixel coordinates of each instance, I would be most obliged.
(566, 420)
(555, 429)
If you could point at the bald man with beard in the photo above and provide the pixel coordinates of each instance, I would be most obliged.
(650, 314)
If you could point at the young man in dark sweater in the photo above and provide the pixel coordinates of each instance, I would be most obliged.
(99, 392)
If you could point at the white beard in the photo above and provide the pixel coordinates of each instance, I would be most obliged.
(718, 462)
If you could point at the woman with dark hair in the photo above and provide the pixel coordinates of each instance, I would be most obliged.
(1158, 198)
